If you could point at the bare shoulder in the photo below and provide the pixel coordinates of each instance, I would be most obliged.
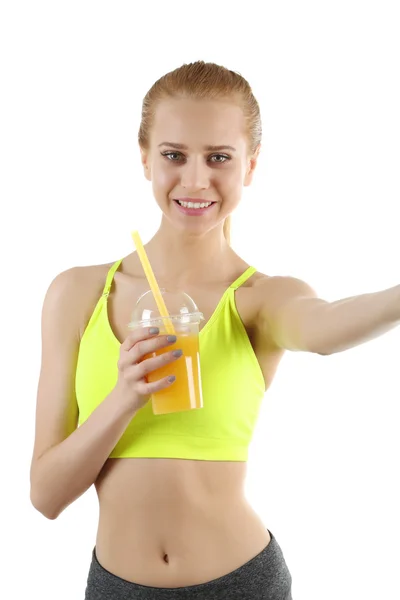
(75, 292)
(273, 293)
(278, 289)
(275, 296)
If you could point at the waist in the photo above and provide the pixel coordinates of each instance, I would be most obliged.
(170, 522)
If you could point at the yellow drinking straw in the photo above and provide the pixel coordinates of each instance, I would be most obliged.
(148, 271)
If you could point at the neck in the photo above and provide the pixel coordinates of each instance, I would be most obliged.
(186, 258)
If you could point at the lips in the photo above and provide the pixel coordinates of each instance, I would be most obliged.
(192, 201)
(189, 206)
(193, 204)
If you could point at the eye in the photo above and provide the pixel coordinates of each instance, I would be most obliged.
(226, 158)
(170, 155)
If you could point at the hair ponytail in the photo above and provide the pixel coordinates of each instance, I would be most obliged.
(227, 228)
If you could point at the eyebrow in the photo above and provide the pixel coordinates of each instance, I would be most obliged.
(208, 148)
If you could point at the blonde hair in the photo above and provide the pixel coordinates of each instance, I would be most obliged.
(227, 228)
(205, 81)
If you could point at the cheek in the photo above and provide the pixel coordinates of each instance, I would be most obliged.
(163, 178)
(232, 182)
(231, 189)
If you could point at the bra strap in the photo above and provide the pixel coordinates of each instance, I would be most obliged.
(110, 276)
(244, 277)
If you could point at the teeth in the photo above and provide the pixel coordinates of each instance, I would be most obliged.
(194, 204)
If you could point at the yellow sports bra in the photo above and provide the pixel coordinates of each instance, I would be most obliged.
(232, 382)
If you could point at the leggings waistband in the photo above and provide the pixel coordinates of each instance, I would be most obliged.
(264, 577)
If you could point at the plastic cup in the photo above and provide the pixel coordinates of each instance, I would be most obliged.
(185, 393)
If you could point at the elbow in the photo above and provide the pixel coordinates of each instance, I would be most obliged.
(42, 505)
(319, 347)
(322, 351)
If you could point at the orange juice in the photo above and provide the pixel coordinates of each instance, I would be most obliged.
(183, 320)
(185, 392)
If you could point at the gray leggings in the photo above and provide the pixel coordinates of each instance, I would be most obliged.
(264, 577)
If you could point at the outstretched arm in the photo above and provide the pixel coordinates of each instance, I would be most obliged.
(298, 320)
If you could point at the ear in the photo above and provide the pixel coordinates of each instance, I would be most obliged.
(251, 166)
(145, 162)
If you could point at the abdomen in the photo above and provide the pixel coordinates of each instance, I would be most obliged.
(172, 522)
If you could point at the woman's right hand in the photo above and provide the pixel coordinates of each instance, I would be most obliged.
(132, 369)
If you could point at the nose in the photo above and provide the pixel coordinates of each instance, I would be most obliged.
(194, 175)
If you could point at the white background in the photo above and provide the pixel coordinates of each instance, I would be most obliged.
(324, 463)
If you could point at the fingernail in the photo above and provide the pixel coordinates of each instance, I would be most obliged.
(171, 379)
(171, 339)
(154, 330)
(177, 353)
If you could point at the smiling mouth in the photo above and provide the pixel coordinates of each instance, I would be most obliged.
(195, 205)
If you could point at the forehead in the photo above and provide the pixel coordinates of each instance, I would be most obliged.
(203, 122)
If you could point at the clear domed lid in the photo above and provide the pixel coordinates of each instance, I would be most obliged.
(181, 308)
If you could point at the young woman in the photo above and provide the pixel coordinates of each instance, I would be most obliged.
(174, 521)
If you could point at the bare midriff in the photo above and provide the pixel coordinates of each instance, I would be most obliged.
(175, 523)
